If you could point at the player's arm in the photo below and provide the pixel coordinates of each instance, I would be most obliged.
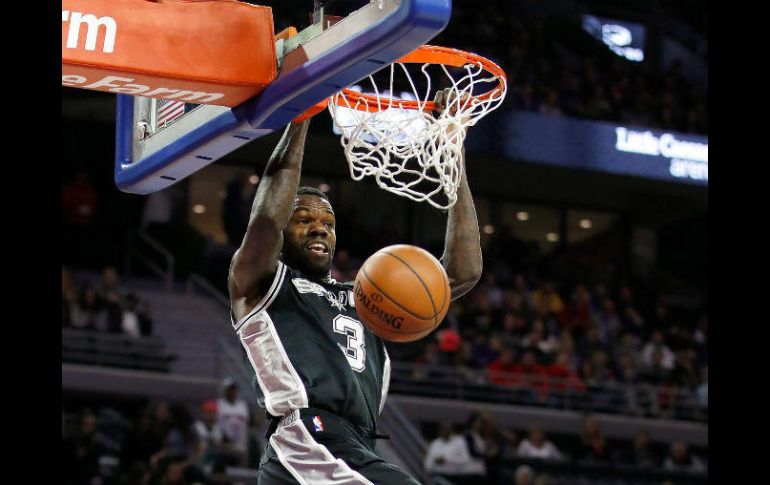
(257, 257)
(462, 246)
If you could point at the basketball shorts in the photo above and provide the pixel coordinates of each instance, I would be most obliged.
(314, 447)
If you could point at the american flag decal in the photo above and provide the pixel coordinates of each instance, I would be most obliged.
(168, 110)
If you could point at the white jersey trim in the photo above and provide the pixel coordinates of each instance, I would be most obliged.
(385, 378)
(308, 461)
(277, 378)
(265, 302)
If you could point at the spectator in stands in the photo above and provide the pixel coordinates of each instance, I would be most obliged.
(110, 294)
(657, 343)
(684, 374)
(681, 460)
(209, 433)
(579, 318)
(630, 317)
(596, 452)
(703, 389)
(477, 448)
(129, 317)
(524, 475)
(532, 377)
(182, 449)
(233, 418)
(509, 444)
(86, 313)
(607, 321)
(521, 287)
(547, 296)
(642, 454)
(628, 376)
(563, 382)
(508, 336)
(485, 350)
(590, 430)
(81, 451)
(447, 457)
(483, 315)
(68, 297)
(537, 446)
(141, 442)
(501, 369)
(700, 337)
(540, 342)
(656, 373)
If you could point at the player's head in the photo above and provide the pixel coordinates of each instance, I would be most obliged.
(310, 238)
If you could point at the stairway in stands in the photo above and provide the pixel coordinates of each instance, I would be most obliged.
(190, 325)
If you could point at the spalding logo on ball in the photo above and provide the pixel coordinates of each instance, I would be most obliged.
(402, 293)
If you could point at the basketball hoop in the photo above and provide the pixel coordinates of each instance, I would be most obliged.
(408, 147)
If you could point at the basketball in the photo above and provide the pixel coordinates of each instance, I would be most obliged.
(402, 293)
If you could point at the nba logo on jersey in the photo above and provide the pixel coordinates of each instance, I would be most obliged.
(318, 425)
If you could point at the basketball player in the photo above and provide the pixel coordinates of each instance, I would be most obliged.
(324, 376)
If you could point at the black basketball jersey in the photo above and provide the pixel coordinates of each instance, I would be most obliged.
(307, 348)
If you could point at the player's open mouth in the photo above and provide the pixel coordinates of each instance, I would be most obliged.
(317, 248)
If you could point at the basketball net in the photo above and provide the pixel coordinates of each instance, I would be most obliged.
(409, 148)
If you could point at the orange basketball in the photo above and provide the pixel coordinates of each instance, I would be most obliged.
(402, 293)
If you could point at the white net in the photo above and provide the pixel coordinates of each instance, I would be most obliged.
(410, 149)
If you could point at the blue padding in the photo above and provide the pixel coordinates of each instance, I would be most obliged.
(414, 23)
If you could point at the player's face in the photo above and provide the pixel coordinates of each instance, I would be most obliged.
(310, 237)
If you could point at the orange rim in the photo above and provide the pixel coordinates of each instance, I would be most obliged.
(428, 54)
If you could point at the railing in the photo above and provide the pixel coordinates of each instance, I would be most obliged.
(405, 439)
(196, 281)
(643, 400)
(108, 350)
(579, 471)
(164, 271)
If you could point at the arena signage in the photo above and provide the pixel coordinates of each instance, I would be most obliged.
(126, 85)
(77, 19)
(600, 146)
(625, 39)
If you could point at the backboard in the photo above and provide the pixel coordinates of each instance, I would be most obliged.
(315, 64)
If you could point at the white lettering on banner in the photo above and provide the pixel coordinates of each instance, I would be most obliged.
(72, 79)
(76, 19)
(118, 84)
(689, 159)
(687, 169)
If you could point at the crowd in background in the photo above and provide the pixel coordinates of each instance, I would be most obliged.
(569, 324)
(181, 444)
(103, 306)
(480, 451)
(163, 444)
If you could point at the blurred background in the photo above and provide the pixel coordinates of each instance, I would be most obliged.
(580, 358)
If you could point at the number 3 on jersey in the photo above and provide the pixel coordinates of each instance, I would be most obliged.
(354, 347)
